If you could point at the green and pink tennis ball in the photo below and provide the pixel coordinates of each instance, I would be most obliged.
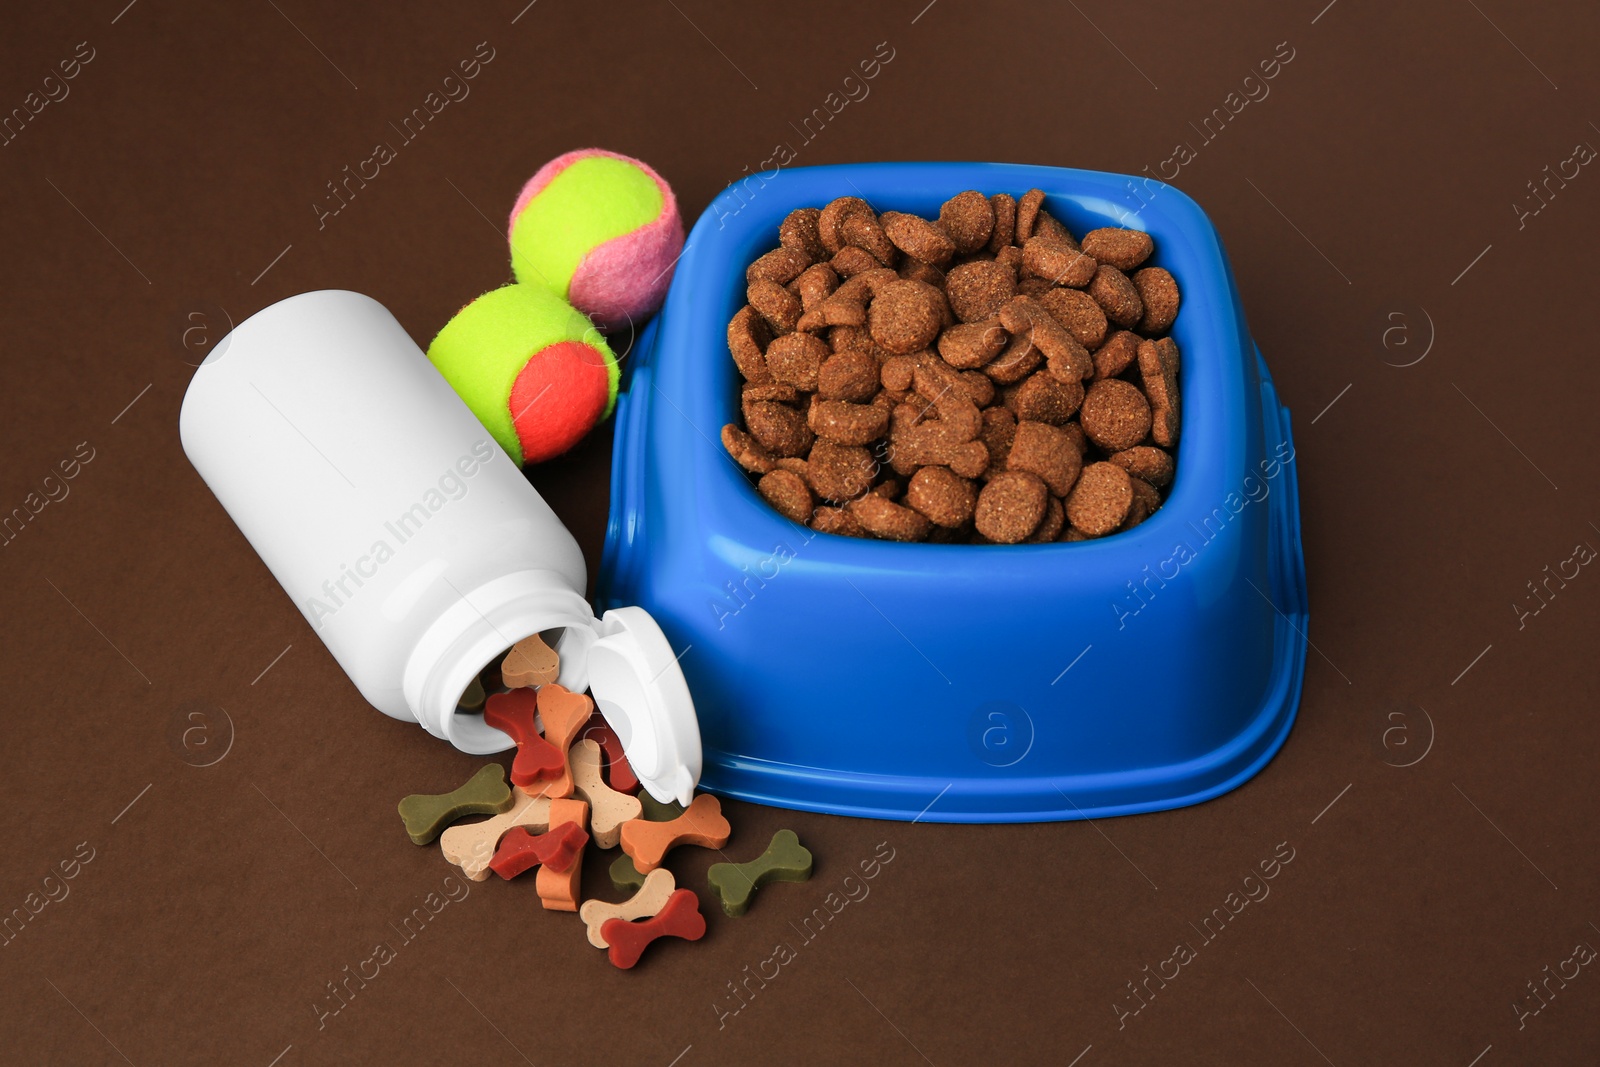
(531, 366)
(602, 231)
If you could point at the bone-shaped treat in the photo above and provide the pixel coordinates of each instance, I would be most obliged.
(564, 715)
(700, 824)
(785, 860)
(485, 793)
(472, 697)
(625, 876)
(471, 845)
(537, 759)
(519, 850)
(608, 809)
(679, 917)
(619, 772)
(530, 662)
(649, 900)
(655, 811)
(558, 887)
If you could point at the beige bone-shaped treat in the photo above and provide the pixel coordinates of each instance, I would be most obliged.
(608, 809)
(471, 846)
(658, 886)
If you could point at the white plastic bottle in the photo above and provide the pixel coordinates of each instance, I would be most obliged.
(411, 542)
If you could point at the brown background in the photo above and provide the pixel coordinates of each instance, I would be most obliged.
(1386, 158)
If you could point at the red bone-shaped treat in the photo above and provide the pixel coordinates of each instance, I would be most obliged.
(520, 850)
(619, 772)
(679, 917)
(536, 758)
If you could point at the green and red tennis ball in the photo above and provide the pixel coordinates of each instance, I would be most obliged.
(600, 229)
(531, 366)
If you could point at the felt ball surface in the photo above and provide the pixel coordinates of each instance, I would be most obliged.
(560, 394)
(600, 229)
(530, 366)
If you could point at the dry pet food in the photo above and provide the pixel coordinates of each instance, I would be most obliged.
(981, 377)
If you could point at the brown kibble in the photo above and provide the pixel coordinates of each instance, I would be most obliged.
(1123, 249)
(1145, 502)
(866, 232)
(1078, 314)
(975, 357)
(1019, 360)
(1115, 356)
(848, 376)
(1043, 397)
(782, 392)
(972, 344)
(977, 386)
(840, 472)
(917, 271)
(1005, 222)
(1113, 291)
(796, 359)
(1027, 214)
(837, 521)
(979, 290)
(1115, 415)
(1158, 369)
(1146, 462)
(1010, 257)
(944, 497)
(998, 434)
(845, 423)
(799, 231)
(746, 451)
(1159, 292)
(1055, 517)
(748, 337)
(788, 493)
(781, 429)
(918, 238)
(852, 260)
(1058, 263)
(1045, 450)
(817, 282)
(1011, 506)
(1100, 500)
(888, 520)
(781, 265)
(898, 372)
(774, 303)
(833, 215)
(1046, 226)
(969, 220)
(905, 316)
(1069, 360)
(1075, 434)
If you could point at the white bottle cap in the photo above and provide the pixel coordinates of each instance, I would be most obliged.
(640, 689)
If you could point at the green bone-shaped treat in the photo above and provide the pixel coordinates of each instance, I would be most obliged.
(785, 860)
(624, 875)
(652, 810)
(485, 793)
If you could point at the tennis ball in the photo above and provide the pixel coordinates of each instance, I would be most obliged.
(601, 230)
(533, 369)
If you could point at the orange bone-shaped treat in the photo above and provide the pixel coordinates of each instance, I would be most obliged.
(537, 760)
(680, 917)
(564, 714)
(558, 889)
(701, 823)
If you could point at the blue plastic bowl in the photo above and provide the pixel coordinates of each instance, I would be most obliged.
(966, 683)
